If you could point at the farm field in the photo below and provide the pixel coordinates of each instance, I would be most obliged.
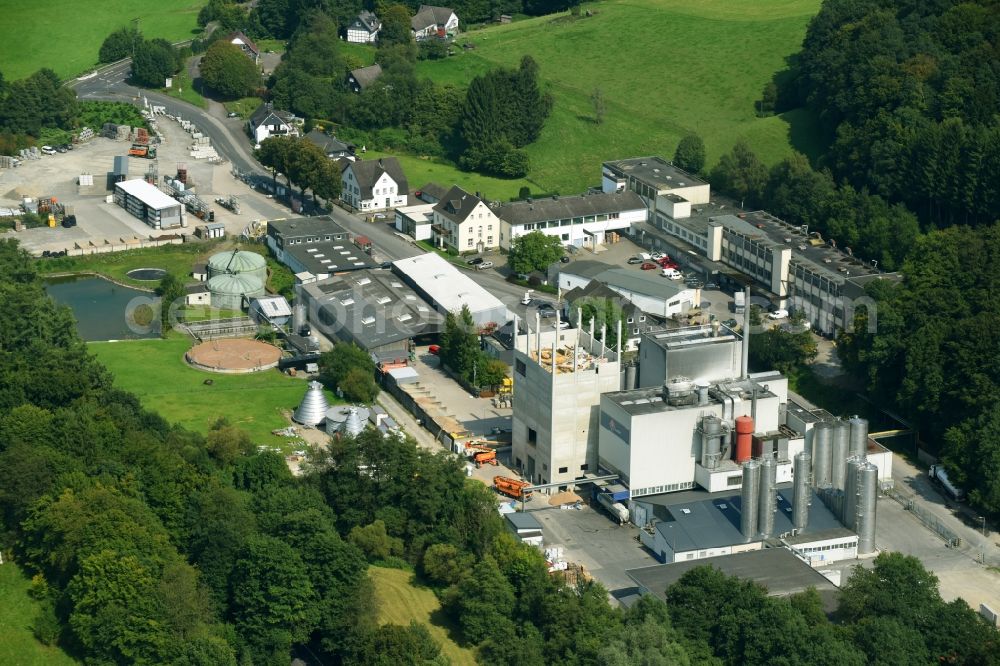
(399, 602)
(65, 36)
(17, 643)
(155, 371)
(665, 67)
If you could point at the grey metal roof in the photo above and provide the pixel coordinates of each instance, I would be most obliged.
(457, 204)
(561, 208)
(777, 569)
(433, 191)
(587, 268)
(327, 258)
(365, 76)
(697, 520)
(642, 282)
(367, 173)
(320, 226)
(375, 307)
(523, 521)
(656, 172)
(597, 289)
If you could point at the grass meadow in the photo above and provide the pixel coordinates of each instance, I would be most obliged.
(65, 36)
(155, 371)
(18, 644)
(399, 602)
(665, 68)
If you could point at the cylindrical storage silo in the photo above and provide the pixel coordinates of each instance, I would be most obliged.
(838, 458)
(238, 262)
(229, 291)
(822, 448)
(859, 437)
(854, 465)
(711, 434)
(749, 499)
(801, 493)
(631, 372)
(867, 498)
(744, 438)
(767, 506)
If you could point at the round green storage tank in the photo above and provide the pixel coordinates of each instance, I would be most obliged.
(229, 291)
(238, 262)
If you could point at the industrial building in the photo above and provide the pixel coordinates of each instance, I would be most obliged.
(557, 390)
(315, 245)
(447, 289)
(373, 309)
(653, 177)
(415, 221)
(647, 290)
(149, 204)
(777, 569)
(580, 221)
(273, 310)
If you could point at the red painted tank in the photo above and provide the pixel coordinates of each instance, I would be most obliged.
(744, 438)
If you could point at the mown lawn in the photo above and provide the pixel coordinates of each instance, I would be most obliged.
(66, 35)
(665, 67)
(399, 602)
(17, 610)
(155, 371)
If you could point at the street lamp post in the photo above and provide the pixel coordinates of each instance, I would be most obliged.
(982, 519)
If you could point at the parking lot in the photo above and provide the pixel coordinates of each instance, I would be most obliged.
(100, 222)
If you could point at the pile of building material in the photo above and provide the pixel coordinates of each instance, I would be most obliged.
(8, 162)
(30, 153)
(85, 134)
(116, 132)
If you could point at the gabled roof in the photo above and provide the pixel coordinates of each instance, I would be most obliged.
(457, 204)
(368, 21)
(365, 76)
(561, 208)
(331, 145)
(429, 15)
(265, 114)
(597, 289)
(433, 191)
(234, 36)
(367, 173)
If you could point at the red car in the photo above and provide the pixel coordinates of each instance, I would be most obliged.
(434, 349)
(649, 266)
(665, 262)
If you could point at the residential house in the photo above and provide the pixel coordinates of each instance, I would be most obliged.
(465, 222)
(331, 145)
(364, 28)
(370, 185)
(634, 321)
(265, 122)
(581, 221)
(359, 79)
(246, 45)
(431, 21)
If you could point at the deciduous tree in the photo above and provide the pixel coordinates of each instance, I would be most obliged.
(534, 251)
(227, 70)
(690, 153)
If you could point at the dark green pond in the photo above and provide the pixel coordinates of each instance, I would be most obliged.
(105, 310)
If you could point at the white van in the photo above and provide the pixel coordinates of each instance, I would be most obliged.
(672, 273)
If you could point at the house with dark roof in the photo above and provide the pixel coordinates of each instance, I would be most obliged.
(359, 79)
(364, 28)
(333, 147)
(265, 122)
(370, 185)
(431, 21)
(246, 45)
(464, 222)
(581, 221)
(597, 294)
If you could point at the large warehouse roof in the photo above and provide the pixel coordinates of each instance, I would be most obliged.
(447, 287)
(148, 194)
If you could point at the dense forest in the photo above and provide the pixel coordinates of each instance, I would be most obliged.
(149, 544)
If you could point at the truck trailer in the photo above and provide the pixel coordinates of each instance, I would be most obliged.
(940, 477)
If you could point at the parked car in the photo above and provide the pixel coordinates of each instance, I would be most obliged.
(777, 314)
(434, 349)
(48, 150)
(731, 324)
(526, 299)
(564, 259)
(649, 266)
(695, 283)
(483, 265)
(232, 114)
(60, 149)
(546, 310)
(711, 285)
(475, 261)
(672, 273)
(563, 324)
